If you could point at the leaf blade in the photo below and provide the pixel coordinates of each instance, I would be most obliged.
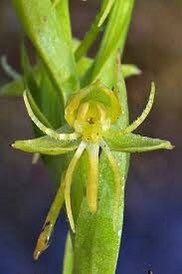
(94, 29)
(41, 23)
(115, 35)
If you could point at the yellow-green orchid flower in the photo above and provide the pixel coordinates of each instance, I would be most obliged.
(91, 115)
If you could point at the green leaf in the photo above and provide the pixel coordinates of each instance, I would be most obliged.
(46, 145)
(134, 142)
(94, 30)
(107, 5)
(43, 27)
(115, 35)
(62, 9)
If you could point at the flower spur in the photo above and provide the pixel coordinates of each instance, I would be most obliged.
(92, 113)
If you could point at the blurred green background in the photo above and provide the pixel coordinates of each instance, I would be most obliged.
(153, 215)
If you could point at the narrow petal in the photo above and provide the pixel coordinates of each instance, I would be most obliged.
(46, 145)
(48, 227)
(144, 114)
(48, 131)
(116, 172)
(134, 142)
(92, 183)
(68, 181)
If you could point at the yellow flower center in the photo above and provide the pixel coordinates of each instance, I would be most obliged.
(91, 121)
(91, 111)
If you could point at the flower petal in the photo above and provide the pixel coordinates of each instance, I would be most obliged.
(144, 114)
(46, 130)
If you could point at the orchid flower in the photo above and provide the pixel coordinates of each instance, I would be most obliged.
(91, 115)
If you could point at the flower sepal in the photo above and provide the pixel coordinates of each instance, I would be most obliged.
(46, 145)
(132, 143)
